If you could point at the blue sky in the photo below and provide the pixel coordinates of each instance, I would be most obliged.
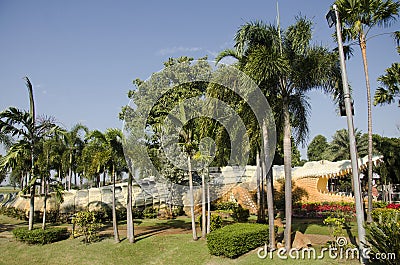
(82, 56)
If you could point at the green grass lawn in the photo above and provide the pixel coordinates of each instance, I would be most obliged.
(148, 249)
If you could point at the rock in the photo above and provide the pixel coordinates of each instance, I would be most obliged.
(301, 241)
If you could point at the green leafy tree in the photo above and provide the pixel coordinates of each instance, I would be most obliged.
(389, 170)
(359, 17)
(317, 147)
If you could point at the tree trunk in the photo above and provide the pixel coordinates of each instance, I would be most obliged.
(287, 158)
(44, 206)
(31, 207)
(269, 181)
(259, 206)
(129, 217)
(208, 203)
(70, 171)
(191, 199)
(203, 207)
(114, 211)
(262, 171)
(363, 46)
(32, 190)
(104, 178)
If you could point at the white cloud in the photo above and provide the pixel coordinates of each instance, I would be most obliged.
(178, 50)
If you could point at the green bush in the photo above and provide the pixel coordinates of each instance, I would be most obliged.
(215, 222)
(87, 224)
(382, 214)
(137, 213)
(13, 213)
(225, 206)
(379, 204)
(150, 212)
(40, 236)
(234, 240)
(240, 214)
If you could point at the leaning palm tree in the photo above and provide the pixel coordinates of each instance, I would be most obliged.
(359, 17)
(286, 66)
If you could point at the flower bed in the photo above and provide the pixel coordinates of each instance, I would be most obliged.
(322, 210)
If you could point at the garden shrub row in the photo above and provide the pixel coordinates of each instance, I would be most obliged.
(234, 240)
(324, 209)
(40, 236)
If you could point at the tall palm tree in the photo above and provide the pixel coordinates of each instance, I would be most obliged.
(116, 163)
(286, 66)
(359, 17)
(22, 124)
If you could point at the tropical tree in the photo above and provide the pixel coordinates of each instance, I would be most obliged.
(23, 125)
(74, 143)
(317, 147)
(390, 81)
(359, 17)
(116, 163)
(286, 66)
(340, 145)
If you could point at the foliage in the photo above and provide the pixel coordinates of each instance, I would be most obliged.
(316, 148)
(234, 240)
(87, 224)
(239, 214)
(13, 212)
(215, 221)
(40, 236)
(389, 170)
(379, 204)
(337, 209)
(150, 212)
(384, 237)
(382, 214)
(336, 225)
(225, 206)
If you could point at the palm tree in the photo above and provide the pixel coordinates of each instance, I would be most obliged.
(74, 145)
(22, 124)
(339, 146)
(390, 81)
(286, 66)
(116, 163)
(359, 17)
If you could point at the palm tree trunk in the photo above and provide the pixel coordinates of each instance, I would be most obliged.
(32, 190)
(129, 217)
(70, 171)
(258, 188)
(203, 207)
(269, 183)
(208, 203)
(363, 46)
(191, 198)
(44, 206)
(114, 211)
(287, 158)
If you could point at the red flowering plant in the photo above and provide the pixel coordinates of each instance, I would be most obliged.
(324, 209)
(393, 206)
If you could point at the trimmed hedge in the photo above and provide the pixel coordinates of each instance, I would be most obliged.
(234, 240)
(40, 236)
